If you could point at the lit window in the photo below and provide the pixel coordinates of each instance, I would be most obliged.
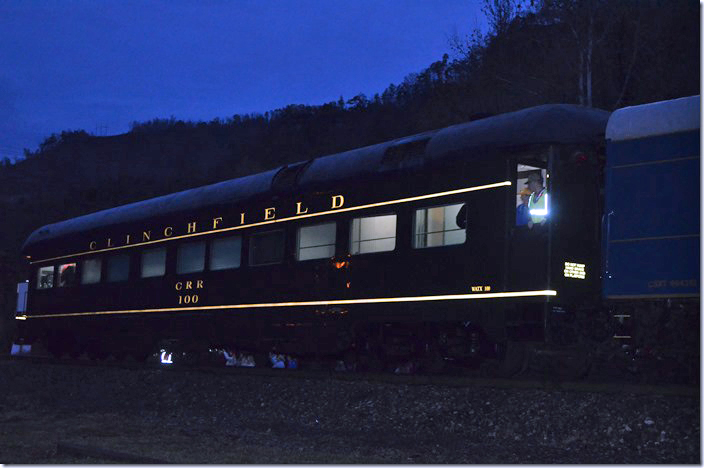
(45, 277)
(531, 186)
(437, 226)
(266, 248)
(118, 267)
(225, 253)
(373, 234)
(67, 274)
(154, 262)
(190, 258)
(316, 241)
(90, 271)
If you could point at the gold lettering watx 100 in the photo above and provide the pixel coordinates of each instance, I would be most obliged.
(217, 223)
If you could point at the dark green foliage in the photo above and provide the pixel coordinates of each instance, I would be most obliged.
(610, 53)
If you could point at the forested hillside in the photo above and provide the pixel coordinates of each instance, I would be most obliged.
(601, 53)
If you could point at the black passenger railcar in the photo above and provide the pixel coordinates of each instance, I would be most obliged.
(405, 248)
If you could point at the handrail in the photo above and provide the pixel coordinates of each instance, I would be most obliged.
(608, 240)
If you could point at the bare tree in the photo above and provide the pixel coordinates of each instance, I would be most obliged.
(500, 13)
(588, 22)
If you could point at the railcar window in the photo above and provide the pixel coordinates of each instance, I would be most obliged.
(316, 241)
(266, 248)
(90, 271)
(373, 234)
(225, 253)
(532, 199)
(154, 262)
(67, 274)
(45, 277)
(190, 257)
(118, 268)
(437, 226)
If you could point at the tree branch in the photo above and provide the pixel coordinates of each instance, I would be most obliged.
(515, 85)
(631, 65)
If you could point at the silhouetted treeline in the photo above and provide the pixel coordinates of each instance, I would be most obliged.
(606, 54)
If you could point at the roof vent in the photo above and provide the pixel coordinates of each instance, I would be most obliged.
(404, 154)
(288, 176)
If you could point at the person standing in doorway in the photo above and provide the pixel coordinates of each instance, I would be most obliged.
(522, 213)
(538, 201)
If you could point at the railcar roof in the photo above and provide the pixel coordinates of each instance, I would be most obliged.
(551, 123)
(655, 118)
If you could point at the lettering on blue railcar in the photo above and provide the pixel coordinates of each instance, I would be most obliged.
(689, 283)
(680, 283)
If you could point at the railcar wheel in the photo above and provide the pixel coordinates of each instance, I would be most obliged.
(371, 360)
(350, 360)
(119, 355)
(140, 350)
(140, 355)
(76, 350)
(59, 343)
(596, 325)
(53, 346)
(374, 363)
(514, 359)
(261, 360)
(96, 354)
(577, 367)
(572, 363)
(432, 361)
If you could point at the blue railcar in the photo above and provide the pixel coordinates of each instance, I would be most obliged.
(651, 245)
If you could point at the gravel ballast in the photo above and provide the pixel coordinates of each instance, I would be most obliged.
(239, 417)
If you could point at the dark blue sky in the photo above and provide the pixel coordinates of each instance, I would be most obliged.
(99, 65)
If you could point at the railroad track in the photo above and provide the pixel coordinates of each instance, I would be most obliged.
(97, 454)
(455, 377)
